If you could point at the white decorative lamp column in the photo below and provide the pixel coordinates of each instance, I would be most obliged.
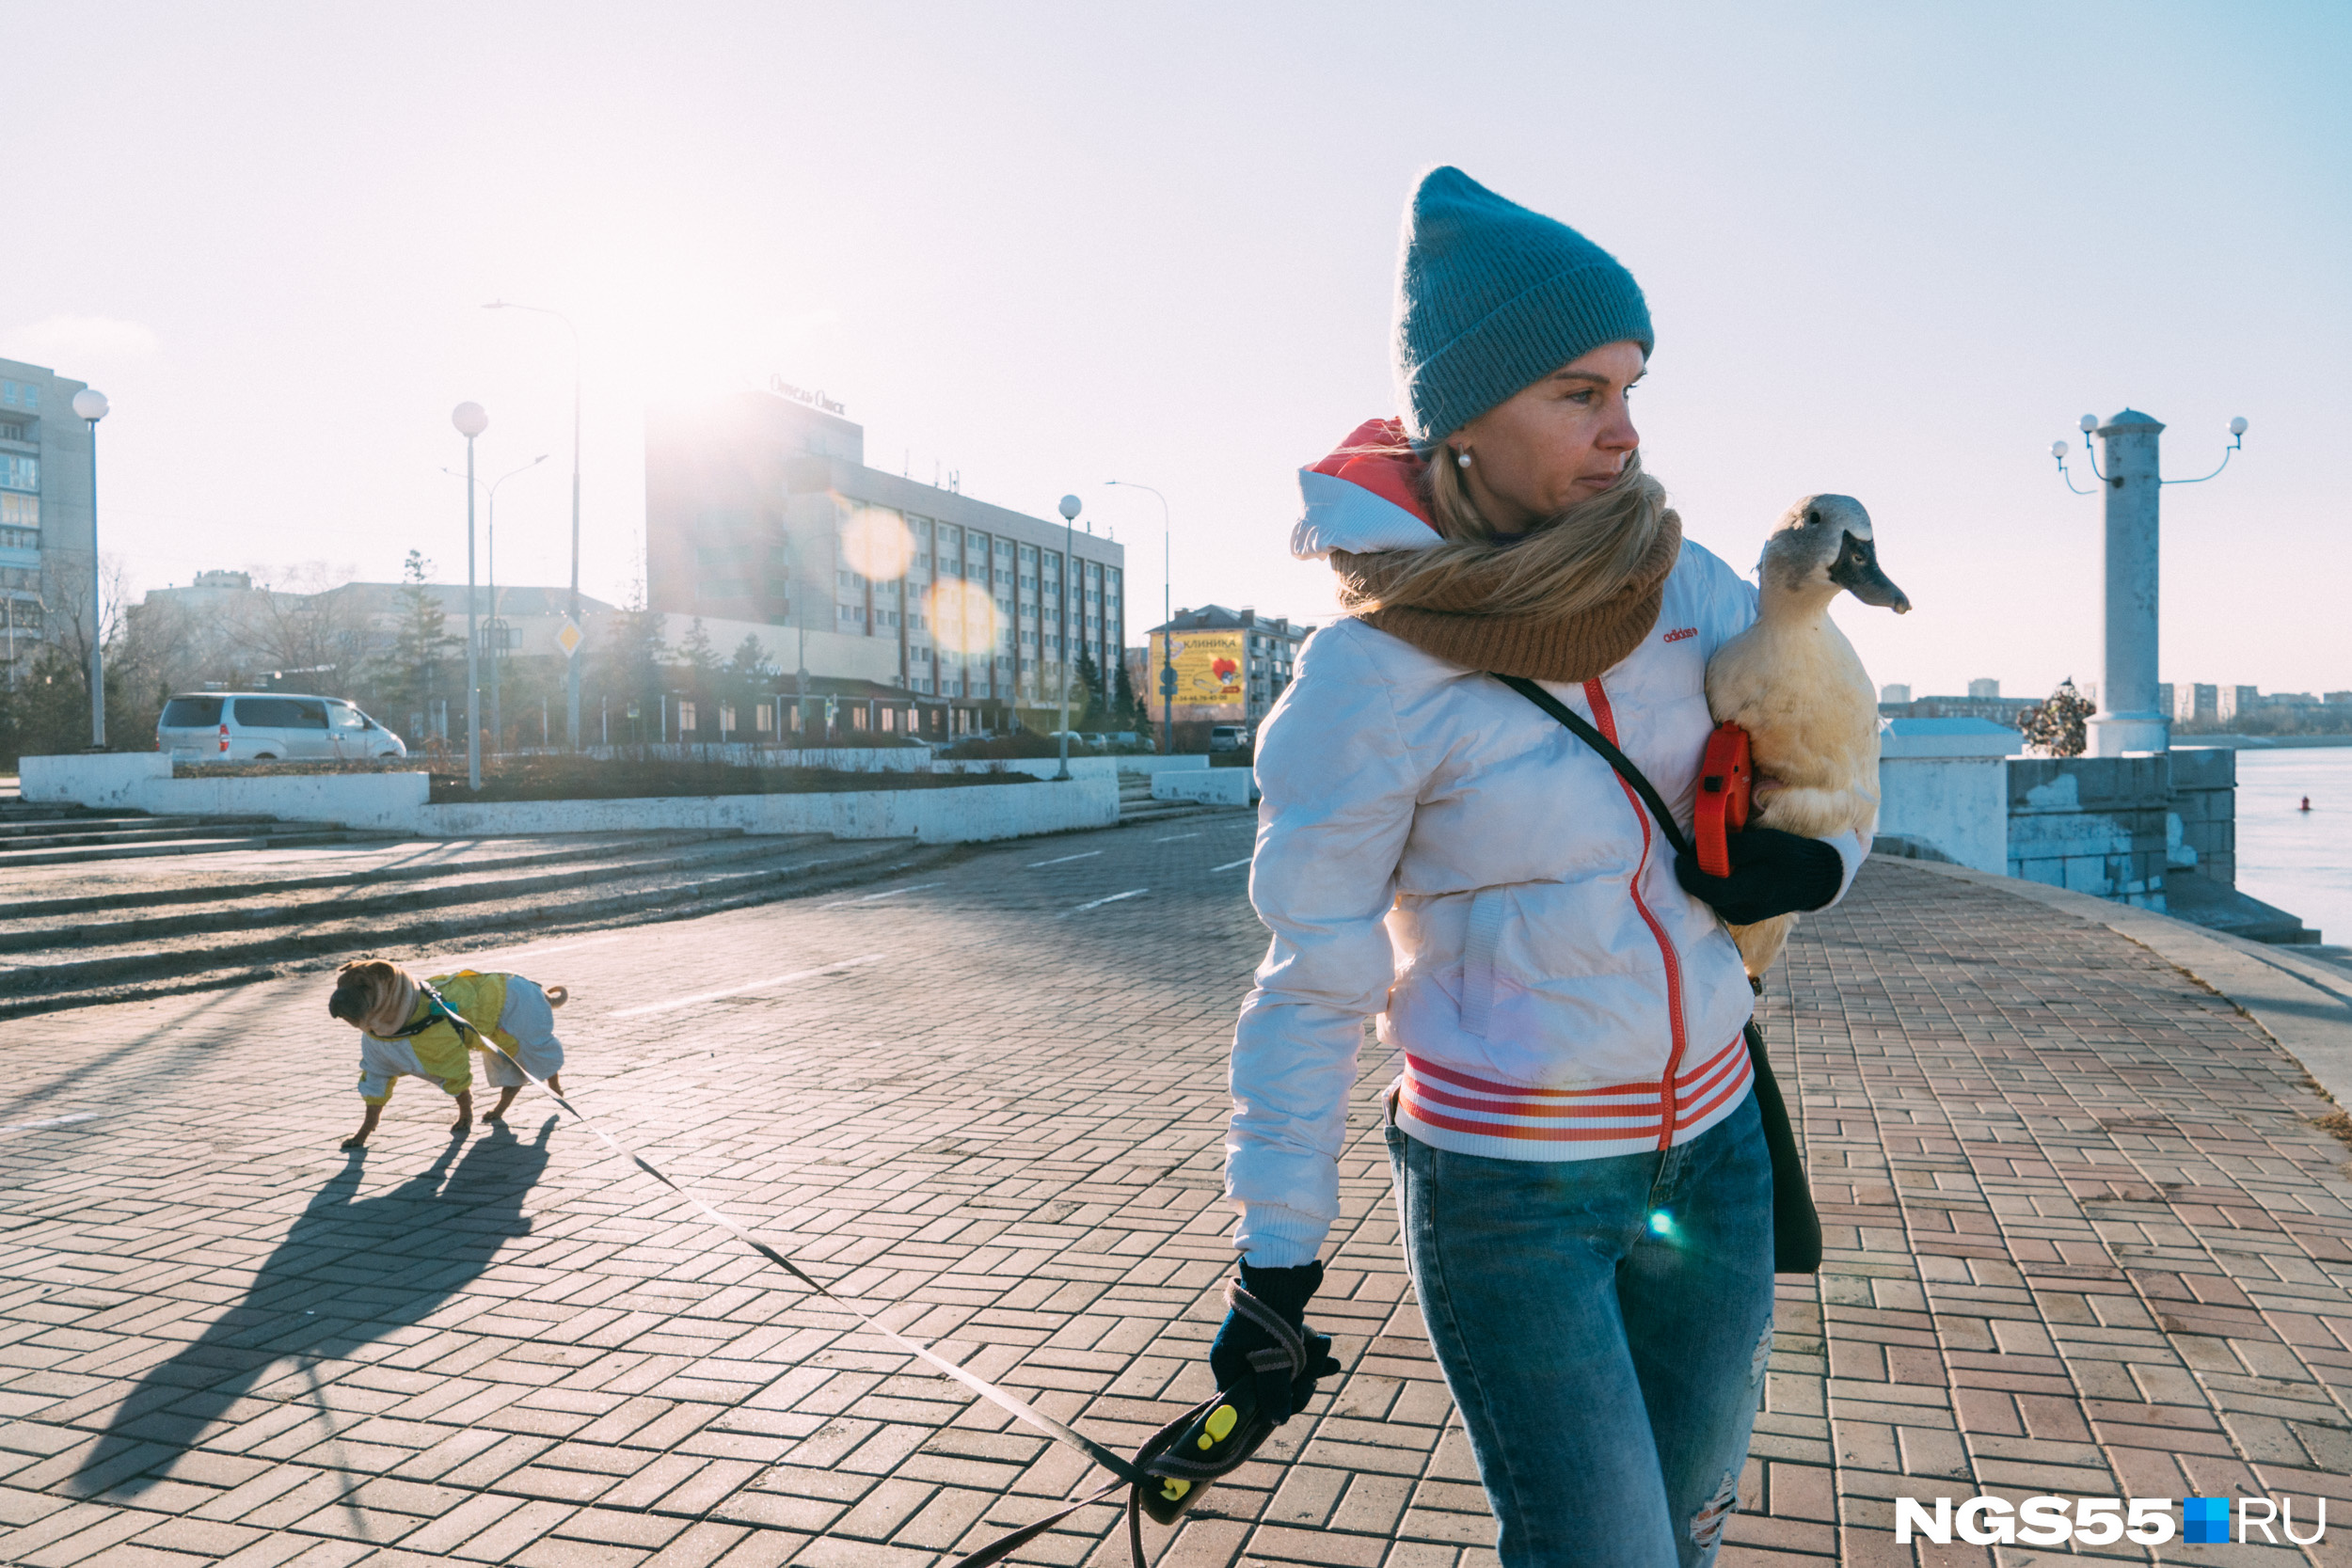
(2128, 719)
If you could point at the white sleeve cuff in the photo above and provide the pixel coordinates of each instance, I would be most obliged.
(1272, 1237)
(1852, 848)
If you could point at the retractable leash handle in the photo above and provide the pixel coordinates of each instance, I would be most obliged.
(1176, 1464)
(1726, 786)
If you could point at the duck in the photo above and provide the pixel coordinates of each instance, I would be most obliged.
(1798, 688)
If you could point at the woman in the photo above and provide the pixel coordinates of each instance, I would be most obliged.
(1582, 1180)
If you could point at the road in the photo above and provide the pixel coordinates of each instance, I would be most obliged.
(2084, 1238)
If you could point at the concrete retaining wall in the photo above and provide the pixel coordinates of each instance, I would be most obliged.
(1080, 768)
(846, 759)
(397, 802)
(2204, 803)
(969, 815)
(1942, 784)
(104, 780)
(142, 781)
(2094, 825)
(1217, 786)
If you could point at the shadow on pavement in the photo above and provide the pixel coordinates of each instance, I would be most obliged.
(349, 1271)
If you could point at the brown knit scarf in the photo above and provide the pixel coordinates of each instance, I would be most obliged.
(1451, 625)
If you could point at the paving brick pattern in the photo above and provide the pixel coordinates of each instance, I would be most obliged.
(2084, 1239)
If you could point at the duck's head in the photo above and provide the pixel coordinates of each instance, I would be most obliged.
(1822, 545)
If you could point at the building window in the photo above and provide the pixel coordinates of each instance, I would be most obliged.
(685, 717)
(19, 512)
(20, 394)
(19, 472)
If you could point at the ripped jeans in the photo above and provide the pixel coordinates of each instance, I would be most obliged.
(1603, 1325)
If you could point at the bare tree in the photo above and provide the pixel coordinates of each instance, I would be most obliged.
(294, 625)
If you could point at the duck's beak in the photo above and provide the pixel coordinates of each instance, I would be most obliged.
(1856, 571)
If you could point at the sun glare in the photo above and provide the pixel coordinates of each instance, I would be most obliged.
(876, 545)
(964, 617)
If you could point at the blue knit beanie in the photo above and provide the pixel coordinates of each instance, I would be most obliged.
(1491, 298)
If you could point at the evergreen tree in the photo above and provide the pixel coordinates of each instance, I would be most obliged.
(627, 671)
(743, 684)
(1129, 713)
(701, 678)
(414, 676)
(1086, 708)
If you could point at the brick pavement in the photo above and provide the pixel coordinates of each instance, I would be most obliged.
(2084, 1239)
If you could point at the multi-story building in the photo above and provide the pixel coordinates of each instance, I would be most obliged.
(1231, 665)
(48, 534)
(762, 518)
(2001, 710)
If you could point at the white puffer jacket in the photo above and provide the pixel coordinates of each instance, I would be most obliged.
(1435, 849)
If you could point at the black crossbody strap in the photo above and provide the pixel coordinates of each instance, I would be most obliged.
(1608, 749)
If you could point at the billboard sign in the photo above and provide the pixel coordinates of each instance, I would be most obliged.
(1212, 672)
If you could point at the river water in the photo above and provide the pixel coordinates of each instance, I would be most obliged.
(2300, 861)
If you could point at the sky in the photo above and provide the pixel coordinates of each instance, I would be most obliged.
(1892, 251)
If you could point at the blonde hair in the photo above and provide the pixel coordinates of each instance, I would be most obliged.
(1571, 562)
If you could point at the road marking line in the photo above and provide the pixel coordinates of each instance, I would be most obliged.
(1229, 864)
(871, 896)
(757, 985)
(1131, 892)
(1174, 837)
(1062, 859)
(52, 1121)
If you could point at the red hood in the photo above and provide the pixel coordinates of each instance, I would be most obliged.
(1376, 457)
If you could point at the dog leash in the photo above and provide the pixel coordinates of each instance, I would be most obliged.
(1168, 1472)
(1010, 1402)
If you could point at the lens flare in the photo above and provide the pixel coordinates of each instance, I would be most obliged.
(876, 545)
(1661, 1223)
(963, 616)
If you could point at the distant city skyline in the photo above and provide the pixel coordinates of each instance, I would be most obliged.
(1891, 252)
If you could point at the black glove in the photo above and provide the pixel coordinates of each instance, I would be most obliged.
(1772, 873)
(1245, 1349)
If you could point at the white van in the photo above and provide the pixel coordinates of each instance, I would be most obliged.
(265, 726)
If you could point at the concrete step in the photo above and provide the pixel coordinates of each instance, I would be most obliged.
(16, 826)
(208, 887)
(2191, 897)
(253, 905)
(47, 981)
(195, 841)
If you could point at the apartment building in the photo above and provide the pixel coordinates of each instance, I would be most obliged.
(762, 515)
(48, 533)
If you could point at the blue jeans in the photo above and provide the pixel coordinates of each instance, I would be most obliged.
(1603, 1325)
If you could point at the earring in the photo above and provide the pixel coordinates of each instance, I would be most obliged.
(1461, 459)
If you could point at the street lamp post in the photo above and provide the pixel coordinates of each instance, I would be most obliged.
(1167, 663)
(1070, 506)
(498, 627)
(471, 421)
(571, 664)
(490, 560)
(89, 406)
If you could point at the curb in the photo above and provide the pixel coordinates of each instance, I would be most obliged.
(2302, 1004)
